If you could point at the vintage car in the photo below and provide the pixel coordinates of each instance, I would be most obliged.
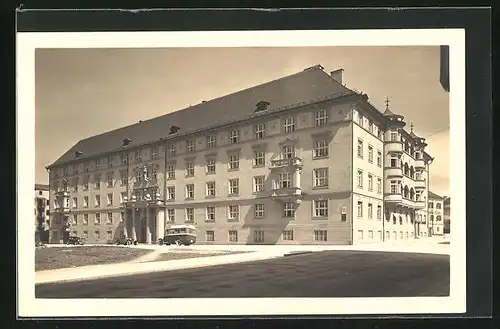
(125, 241)
(75, 240)
(179, 235)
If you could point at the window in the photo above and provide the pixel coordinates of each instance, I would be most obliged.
(370, 235)
(97, 164)
(370, 126)
(210, 166)
(285, 180)
(75, 219)
(370, 211)
(320, 208)
(110, 161)
(379, 158)
(234, 188)
(360, 120)
(360, 234)
(85, 219)
(379, 212)
(360, 208)
(86, 183)
(438, 205)
(288, 235)
(234, 136)
(97, 179)
(171, 193)
(343, 213)
(190, 145)
(97, 201)
(211, 141)
(189, 214)
(189, 169)
(110, 218)
(394, 161)
(394, 235)
(258, 184)
(387, 235)
(190, 191)
(171, 171)
(259, 159)
(110, 199)
(123, 178)
(171, 150)
(260, 131)
(259, 210)
(85, 201)
(210, 189)
(138, 156)
(234, 162)
(171, 215)
(86, 234)
(431, 205)
(289, 210)
(321, 118)
(288, 151)
(360, 148)
(234, 213)
(438, 218)
(233, 236)
(407, 235)
(418, 175)
(210, 213)
(320, 177)
(394, 187)
(320, 235)
(97, 219)
(122, 216)
(401, 235)
(379, 185)
(75, 184)
(360, 179)
(75, 202)
(138, 175)
(258, 236)
(210, 236)
(370, 182)
(109, 235)
(289, 124)
(320, 148)
(370, 154)
(394, 136)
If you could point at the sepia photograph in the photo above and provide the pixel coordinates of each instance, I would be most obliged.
(227, 169)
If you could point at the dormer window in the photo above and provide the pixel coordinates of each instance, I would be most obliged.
(126, 141)
(261, 106)
(78, 154)
(174, 130)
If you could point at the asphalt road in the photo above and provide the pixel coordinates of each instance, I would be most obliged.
(319, 274)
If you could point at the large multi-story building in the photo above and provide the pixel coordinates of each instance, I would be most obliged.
(42, 212)
(436, 214)
(298, 160)
(446, 214)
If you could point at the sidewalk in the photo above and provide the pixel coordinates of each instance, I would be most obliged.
(260, 252)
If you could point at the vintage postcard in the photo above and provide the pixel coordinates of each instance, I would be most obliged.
(241, 173)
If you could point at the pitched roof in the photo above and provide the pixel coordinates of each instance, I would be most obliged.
(432, 195)
(308, 85)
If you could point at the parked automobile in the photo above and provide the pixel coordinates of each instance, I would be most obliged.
(75, 240)
(179, 235)
(125, 241)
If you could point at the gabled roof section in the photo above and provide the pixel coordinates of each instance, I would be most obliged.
(432, 195)
(308, 85)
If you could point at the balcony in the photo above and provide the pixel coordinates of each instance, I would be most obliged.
(282, 163)
(412, 204)
(287, 194)
(393, 172)
(419, 184)
(394, 147)
(395, 198)
(59, 210)
(62, 193)
(419, 164)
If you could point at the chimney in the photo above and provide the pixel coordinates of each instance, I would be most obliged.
(337, 75)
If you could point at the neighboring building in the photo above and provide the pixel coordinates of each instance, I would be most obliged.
(446, 214)
(298, 160)
(42, 213)
(436, 214)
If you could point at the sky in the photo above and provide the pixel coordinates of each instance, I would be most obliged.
(84, 92)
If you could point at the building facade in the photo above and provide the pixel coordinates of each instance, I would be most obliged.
(446, 215)
(42, 213)
(298, 160)
(436, 214)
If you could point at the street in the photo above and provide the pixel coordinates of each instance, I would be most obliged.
(318, 274)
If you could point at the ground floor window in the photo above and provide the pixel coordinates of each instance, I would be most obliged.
(258, 236)
(407, 235)
(387, 235)
(210, 236)
(110, 235)
(233, 236)
(401, 235)
(380, 237)
(360, 235)
(288, 235)
(320, 235)
(86, 234)
(370, 235)
(395, 235)
(97, 235)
